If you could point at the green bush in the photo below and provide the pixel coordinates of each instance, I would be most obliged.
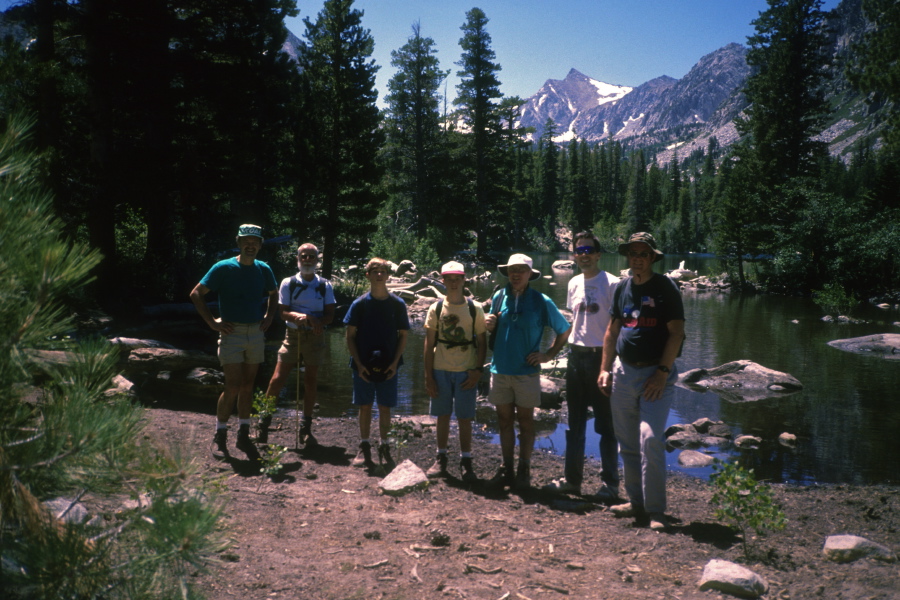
(743, 502)
(834, 300)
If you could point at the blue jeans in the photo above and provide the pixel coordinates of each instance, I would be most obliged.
(640, 428)
(582, 392)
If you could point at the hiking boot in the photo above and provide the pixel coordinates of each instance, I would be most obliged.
(220, 444)
(439, 468)
(523, 476)
(659, 522)
(262, 437)
(305, 436)
(626, 510)
(608, 494)
(384, 457)
(364, 458)
(562, 486)
(468, 471)
(243, 441)
(503, 478)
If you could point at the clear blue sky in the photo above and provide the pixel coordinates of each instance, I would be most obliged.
(623, 42)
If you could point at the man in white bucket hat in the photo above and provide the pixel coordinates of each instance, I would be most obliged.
(517, 320)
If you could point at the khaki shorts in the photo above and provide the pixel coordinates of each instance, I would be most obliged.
(521, 390)
(246, 344)
(302, 344)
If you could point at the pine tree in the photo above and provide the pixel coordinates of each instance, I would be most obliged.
(416, 147)
(476, 92)
(875, 64)
(65, 438)
(787, 102)
(338, 81)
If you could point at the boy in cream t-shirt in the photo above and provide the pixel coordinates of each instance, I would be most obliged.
(455, 346)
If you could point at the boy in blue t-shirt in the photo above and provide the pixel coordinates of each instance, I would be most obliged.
(377, 328)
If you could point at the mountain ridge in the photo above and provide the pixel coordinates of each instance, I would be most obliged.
(682, 115)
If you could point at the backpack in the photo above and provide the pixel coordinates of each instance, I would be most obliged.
(320, 289)
(449, 344)
(495, 308)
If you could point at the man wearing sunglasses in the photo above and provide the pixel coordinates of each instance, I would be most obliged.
(307, 305)
(589, 298)
(643, 339)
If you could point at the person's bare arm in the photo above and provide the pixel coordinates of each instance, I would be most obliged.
(354, 353)
(271, 311)
(428, 355)
(656, 383)
(604, 382)
(536, 358)
(198, 297)
(402, 336)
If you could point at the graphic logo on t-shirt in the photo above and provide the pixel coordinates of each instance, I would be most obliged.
(452, 332)
(588, 304)
(631, 316)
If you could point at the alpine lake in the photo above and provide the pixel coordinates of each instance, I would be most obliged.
(846, 418)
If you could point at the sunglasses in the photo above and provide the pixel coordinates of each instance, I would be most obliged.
(644, 254)
(582, 250)
(309, 256)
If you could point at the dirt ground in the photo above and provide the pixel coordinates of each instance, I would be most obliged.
(324, 531)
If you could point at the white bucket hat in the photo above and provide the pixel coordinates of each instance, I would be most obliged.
(519, 259)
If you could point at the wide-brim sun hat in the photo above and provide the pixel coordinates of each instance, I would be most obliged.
(453, 268)
(644, 238)
(519, 259)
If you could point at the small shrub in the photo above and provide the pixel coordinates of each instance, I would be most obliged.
(270, 462)
(263, 406)
(400, 434)
(743, 502)
(834, 300)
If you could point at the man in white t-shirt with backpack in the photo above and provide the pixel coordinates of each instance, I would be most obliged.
(455, 346)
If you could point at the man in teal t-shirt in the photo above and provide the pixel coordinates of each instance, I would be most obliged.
(518, 317)
(242, 282)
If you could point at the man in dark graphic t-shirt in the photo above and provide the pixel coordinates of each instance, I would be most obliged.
(644, 338)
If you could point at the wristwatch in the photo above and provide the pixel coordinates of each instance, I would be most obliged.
(664, 369)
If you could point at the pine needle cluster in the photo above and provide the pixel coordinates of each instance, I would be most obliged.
(152, 522)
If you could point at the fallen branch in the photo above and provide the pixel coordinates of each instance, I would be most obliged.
(425, 548)
(555, 588)
(541, 537)
(380, 563)
(477, 569)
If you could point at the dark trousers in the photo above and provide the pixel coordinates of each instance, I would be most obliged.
(582, 392)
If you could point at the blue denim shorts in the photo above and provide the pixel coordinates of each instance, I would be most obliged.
(449, 384)
(383, 392)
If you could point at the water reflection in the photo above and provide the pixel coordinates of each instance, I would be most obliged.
(846, 418)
